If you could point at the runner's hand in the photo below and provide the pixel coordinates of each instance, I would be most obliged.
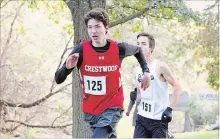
(167, 115)
(72, 61)
(127, 113)
(145, 83)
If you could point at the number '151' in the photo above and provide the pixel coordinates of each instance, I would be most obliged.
(146, 107)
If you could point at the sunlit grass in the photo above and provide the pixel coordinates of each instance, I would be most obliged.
(199, 135)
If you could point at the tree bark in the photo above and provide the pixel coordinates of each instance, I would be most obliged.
(78, 9)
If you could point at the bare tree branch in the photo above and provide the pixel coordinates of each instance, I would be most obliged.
(212, 6)
(69, 48)
(12, 24)
(65, 50)
(150, 7)
(138, 14)
(4, 3)
(108, 7)
(11, 29)
(130, 7)
(90, 4)
(36, 102)
(2, 19)
(125, 19)
(158, 16)
(37, 126)
(14, 41)
(61, 59)
(6, 65)
(61, 115)
(17, 126)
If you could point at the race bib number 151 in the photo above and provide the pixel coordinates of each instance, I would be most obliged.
(146, 108)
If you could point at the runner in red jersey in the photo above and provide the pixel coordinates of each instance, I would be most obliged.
(99, 62)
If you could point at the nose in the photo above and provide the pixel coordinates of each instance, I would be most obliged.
(93, 29)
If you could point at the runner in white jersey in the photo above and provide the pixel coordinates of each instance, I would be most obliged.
(154, 108)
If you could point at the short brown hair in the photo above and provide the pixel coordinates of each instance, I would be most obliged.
(151, 40)
(98, 14)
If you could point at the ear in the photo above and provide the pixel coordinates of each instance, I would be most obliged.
(107, 27)
(151, 49)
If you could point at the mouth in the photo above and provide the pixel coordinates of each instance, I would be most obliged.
(94, 37)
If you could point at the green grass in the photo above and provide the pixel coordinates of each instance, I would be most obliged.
(199, 135)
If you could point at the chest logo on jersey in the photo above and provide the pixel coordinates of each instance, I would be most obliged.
(152, 77)
(101, 57)
(101, 68)
(140, 77)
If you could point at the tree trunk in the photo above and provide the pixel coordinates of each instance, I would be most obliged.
(188, 124)
(78, 8)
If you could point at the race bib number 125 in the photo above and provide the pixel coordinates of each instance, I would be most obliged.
(95, 85)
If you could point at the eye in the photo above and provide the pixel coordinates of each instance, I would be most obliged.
(97, 26)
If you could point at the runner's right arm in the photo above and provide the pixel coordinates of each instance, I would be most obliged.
(62, 73)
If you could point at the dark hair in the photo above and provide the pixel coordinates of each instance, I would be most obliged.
(98, 14)
(151, 40)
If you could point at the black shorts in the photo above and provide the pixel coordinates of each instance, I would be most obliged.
(149, 128)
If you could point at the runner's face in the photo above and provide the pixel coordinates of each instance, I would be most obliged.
(97, 31)
(143, 42)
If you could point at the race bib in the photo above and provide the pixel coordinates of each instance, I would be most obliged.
(146, 108)
(95, 85)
